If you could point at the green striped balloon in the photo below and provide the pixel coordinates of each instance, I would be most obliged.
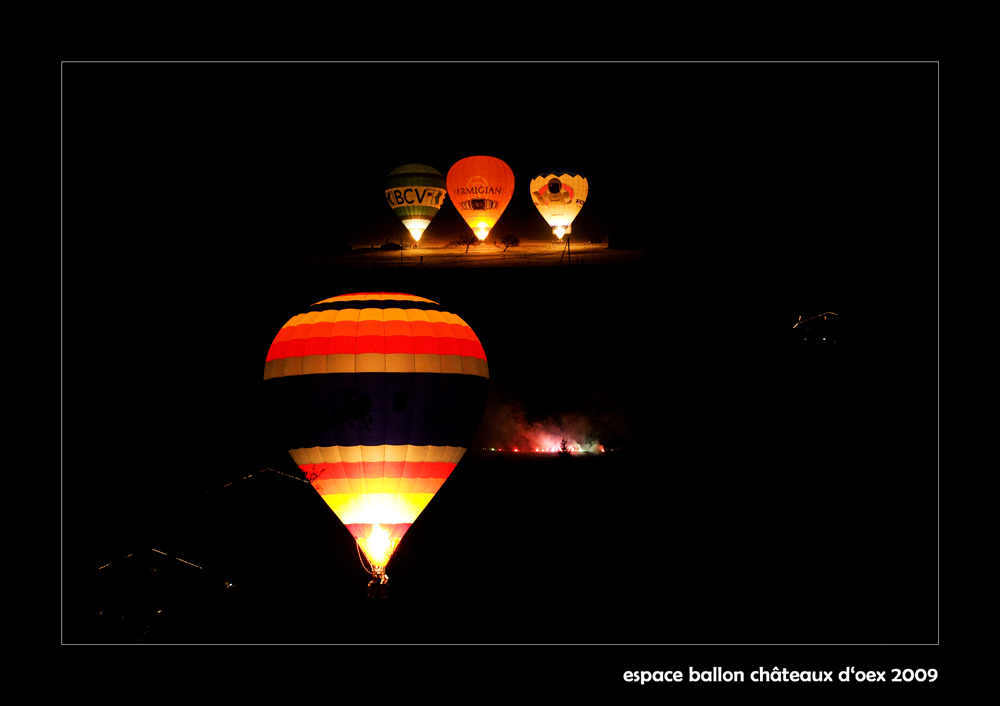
(415, 193)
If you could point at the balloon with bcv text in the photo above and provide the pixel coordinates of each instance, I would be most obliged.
(415, 192)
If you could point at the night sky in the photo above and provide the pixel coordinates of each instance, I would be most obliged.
(194, 193)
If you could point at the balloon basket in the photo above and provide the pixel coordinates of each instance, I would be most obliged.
(376, 587)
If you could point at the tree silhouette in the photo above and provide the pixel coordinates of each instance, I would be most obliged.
(502, 232)
(467, 238)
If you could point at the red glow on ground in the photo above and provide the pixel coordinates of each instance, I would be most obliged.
(572, 448)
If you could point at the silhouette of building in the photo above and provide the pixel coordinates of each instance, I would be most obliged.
(820, 329)
(200, 578)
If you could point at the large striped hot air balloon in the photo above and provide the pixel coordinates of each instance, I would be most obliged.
(415, 192)
(378, 396)
(559, 194)
(480, 187)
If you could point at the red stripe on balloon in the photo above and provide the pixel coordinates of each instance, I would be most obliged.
(425, 344)
(325, 338)
(448, 346)
(277, 350)
(382, 469)
(364, 529)
(370, 344)
(316, 345)
(399, 344)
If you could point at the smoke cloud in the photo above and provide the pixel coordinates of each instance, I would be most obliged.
(507, 425)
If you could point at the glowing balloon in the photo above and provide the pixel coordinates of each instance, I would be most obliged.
(559, 195)
(378, 395)
(415, 192)
(480, 188)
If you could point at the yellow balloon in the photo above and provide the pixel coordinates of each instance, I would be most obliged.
(559, 195)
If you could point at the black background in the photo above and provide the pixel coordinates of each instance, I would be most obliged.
(192, 193)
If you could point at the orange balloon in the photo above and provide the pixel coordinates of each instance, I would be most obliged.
(480, 188)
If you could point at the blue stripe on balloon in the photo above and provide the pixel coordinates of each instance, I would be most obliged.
(371, 409)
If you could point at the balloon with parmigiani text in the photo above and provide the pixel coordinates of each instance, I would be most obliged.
(480, 187)
(559, 194)
(415, 192)
(376, 397)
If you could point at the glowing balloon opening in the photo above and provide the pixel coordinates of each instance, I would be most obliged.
(378, 546)
(560, 231)
(416, 233)
(483, 231)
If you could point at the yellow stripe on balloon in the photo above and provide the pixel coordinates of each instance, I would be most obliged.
(374, 454)
(380, 508)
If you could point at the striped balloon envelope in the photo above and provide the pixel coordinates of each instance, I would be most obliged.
(415, 192)
(377, 398)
